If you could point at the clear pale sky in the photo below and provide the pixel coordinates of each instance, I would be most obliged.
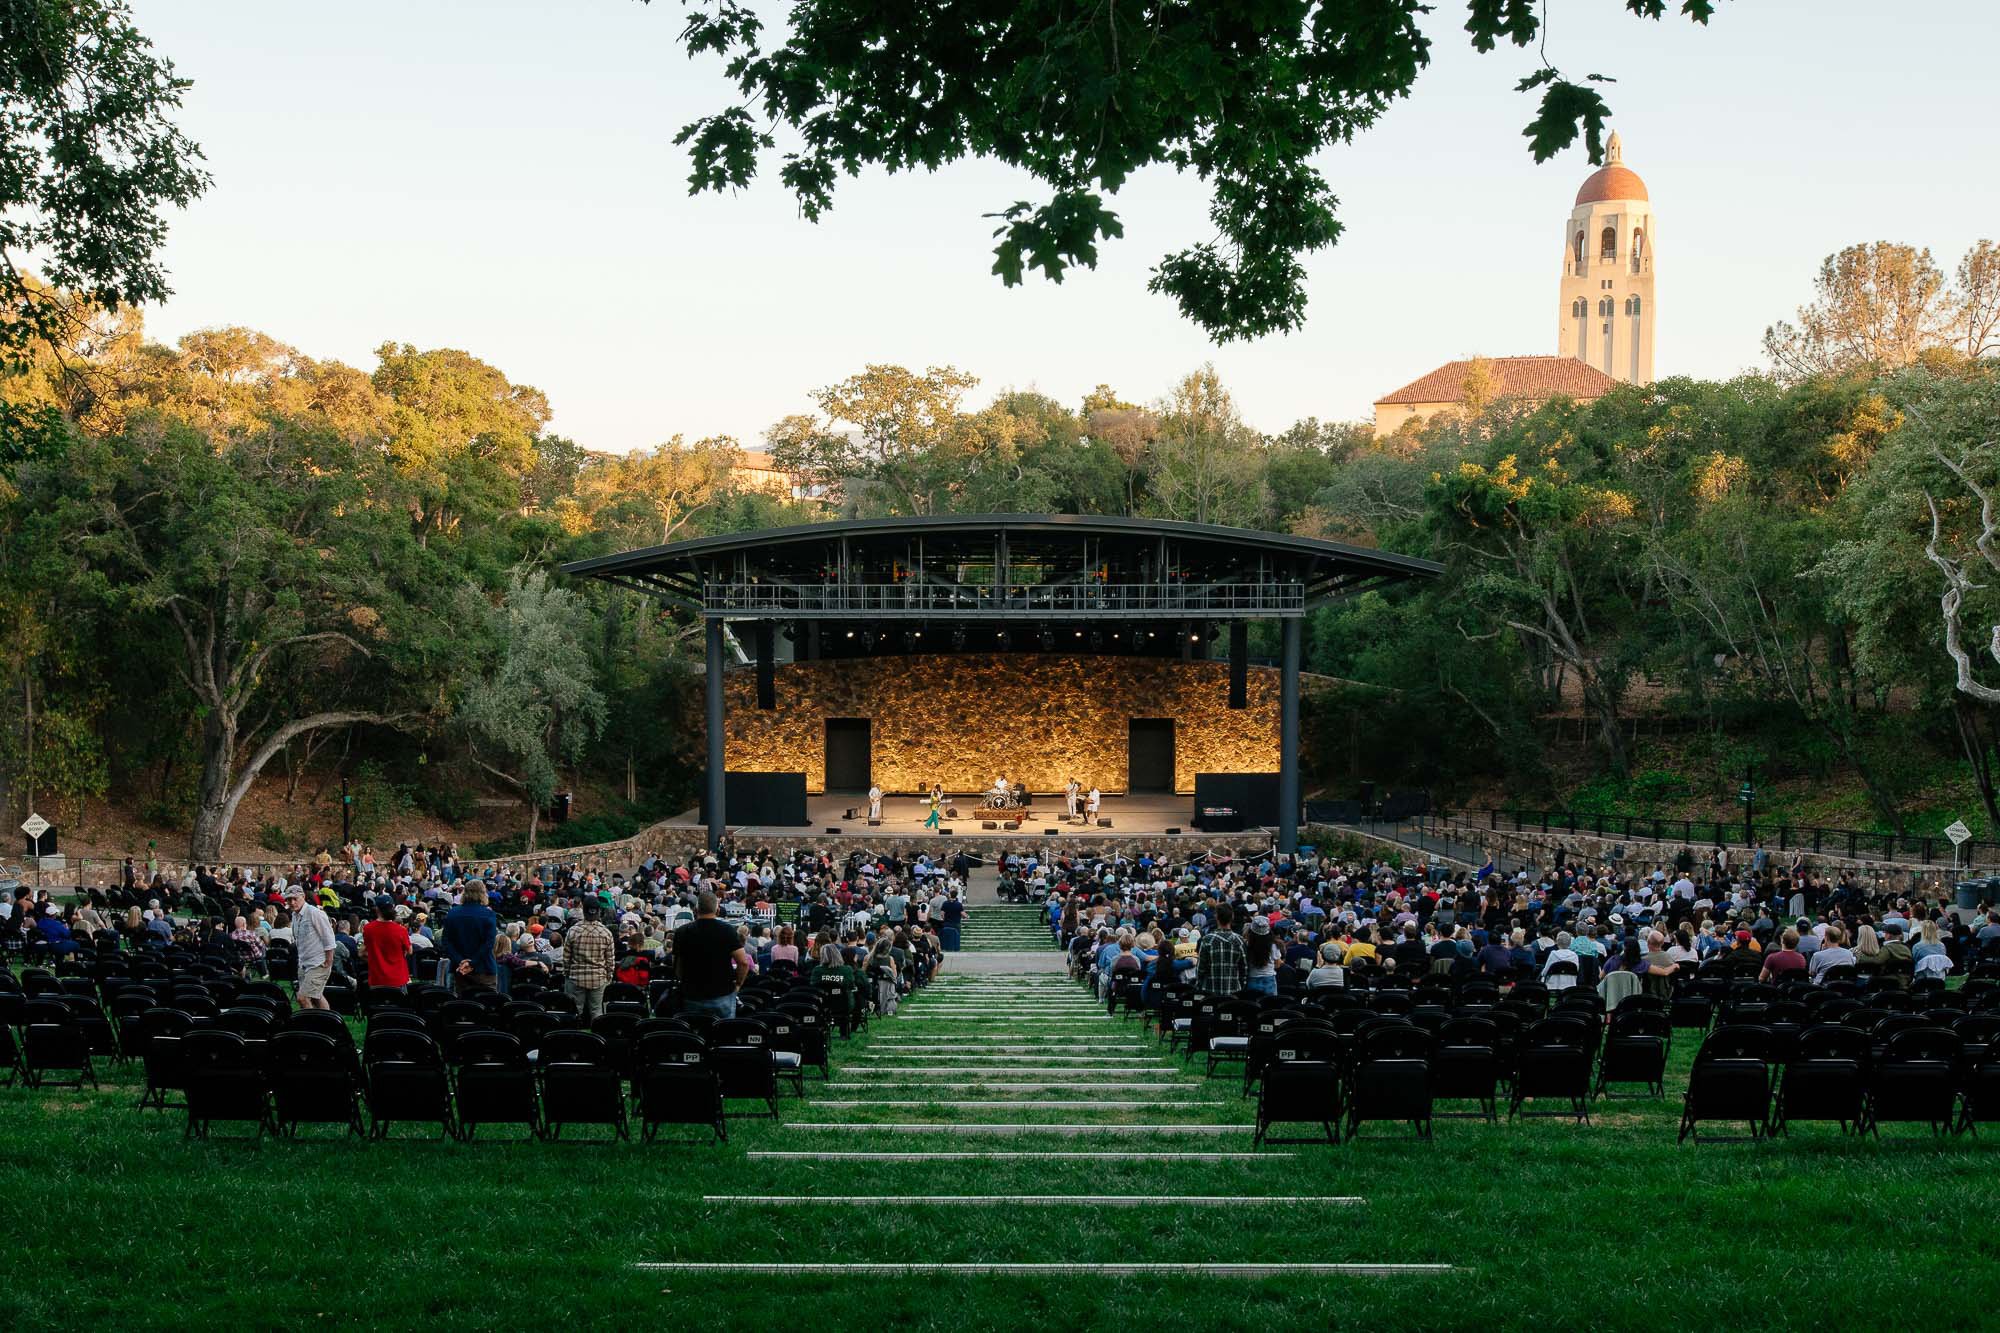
(499, 176)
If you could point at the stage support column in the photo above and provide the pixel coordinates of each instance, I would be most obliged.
(1288, 740)
(1239, 664)
(717, 820)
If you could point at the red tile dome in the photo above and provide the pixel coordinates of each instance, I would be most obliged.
(1613, 180)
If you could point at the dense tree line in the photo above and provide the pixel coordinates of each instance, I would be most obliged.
(226, 558)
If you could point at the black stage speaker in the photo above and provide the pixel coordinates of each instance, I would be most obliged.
(1049, 832)
(1104, 823)
(1172, 830)
(1254, 796)
(944, 833)
(762, 798)
(849, 814)
(874, 823)
(833, 830)
(988, 824)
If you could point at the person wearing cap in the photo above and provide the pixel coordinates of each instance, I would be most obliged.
(589, 954)
(312, 944)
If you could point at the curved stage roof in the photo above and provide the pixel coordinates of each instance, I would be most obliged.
(1004, 566)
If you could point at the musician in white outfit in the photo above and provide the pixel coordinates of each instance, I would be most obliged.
(1071, 795)
(1090, 806)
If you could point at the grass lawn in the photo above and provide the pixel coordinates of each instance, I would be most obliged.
(116, 1221)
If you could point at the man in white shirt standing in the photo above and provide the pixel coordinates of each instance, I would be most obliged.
(875, 801)
(1090, 806)
(1071, 794)
(312, 940)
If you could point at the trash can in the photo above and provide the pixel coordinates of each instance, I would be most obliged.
(1973, 892)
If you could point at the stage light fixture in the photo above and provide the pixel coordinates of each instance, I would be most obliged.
(850, 634)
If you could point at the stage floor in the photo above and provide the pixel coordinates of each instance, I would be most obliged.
(1148, 816)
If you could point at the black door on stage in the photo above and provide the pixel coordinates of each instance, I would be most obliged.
(1150, 759)
(847, 754)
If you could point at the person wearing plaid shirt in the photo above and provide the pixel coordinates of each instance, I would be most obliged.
(589, 954)
(1222, 964)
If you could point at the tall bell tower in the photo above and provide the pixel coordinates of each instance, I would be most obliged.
(1607, 302)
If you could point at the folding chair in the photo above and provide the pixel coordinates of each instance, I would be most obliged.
(314, 1082)
(675, 1085)
(1300, 1085)
(1824, 1079)
(1730, 1080)
(580, 1083)
(406, 1079)
(224, 1082)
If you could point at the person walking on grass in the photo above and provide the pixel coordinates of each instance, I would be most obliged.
(312, 944)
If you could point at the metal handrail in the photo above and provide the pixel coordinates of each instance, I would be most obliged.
(911, 600)
(1853, 844)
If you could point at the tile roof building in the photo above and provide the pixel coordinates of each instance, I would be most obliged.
(1529, 379)
(1606, 309)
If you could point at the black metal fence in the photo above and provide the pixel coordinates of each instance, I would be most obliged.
(1854, 844)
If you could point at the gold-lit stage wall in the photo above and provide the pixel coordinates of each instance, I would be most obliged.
(1038, 718)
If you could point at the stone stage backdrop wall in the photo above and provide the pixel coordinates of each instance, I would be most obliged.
(1038, 718)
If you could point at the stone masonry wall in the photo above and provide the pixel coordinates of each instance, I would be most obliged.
(1037, 718)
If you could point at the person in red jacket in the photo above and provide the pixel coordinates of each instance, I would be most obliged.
(386, 945)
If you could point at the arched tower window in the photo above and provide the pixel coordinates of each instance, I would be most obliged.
(1604, 306)
(1631, 305)
(1579, 247)
(1607, 243)
(1638, 251)
(1579, 307)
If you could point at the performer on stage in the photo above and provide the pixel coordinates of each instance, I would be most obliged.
(875, 801)
(937, 805)
(1090, 806)
(1071, 795)
(999, 797)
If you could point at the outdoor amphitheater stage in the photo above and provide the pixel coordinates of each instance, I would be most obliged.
(1152, 818)
(901, 652)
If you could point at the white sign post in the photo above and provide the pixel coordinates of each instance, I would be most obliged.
(1959, 835)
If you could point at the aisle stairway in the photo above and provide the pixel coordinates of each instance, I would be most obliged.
(1015, 1090)
(1006, 928)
